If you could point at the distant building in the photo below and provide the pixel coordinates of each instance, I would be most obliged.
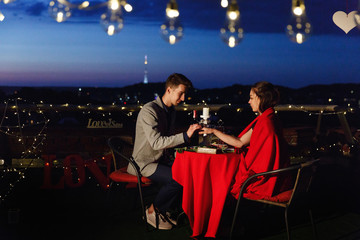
(145, 72)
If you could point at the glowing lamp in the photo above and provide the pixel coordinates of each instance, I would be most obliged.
(299, 28)
(232, 33)
(172, 30)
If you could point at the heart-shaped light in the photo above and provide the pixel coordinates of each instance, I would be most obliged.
(345, 21)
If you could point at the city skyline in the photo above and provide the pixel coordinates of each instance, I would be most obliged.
(37, 51)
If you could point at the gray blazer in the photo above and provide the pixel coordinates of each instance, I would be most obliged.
(153, 134)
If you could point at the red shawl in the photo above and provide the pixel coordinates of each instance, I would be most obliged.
(267, 151)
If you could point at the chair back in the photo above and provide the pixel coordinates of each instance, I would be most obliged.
(117, 146)
(303, 181)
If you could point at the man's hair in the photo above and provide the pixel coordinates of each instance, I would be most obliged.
(269, 95)
(176, 79)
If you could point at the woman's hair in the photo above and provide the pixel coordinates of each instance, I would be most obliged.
(269, 95)
(176, 79)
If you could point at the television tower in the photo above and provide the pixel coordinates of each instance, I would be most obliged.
(145, 72)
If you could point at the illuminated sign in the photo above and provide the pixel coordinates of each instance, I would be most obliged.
(110, 123)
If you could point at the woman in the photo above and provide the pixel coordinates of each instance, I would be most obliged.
(262, 145)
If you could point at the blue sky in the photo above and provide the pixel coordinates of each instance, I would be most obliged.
(37, 51)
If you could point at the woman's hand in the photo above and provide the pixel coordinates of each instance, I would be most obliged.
(206, 130)
(229, 139)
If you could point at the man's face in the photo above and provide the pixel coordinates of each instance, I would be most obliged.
(177, 94)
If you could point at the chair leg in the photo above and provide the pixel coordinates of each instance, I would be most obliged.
(142, 205)
(287, 224)
(235, 216)
(313, 224)
(179, 216)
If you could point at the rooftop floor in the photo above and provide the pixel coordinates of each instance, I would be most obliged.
(89, 212)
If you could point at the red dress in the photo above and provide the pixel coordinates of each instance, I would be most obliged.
(267, 151)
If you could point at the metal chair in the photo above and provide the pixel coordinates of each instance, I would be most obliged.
(116, 145)
(299, 192)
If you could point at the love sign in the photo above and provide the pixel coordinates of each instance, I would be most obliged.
(344, 21)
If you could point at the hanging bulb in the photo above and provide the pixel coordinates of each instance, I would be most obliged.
(112, 21)
(357, 16)
(171, 30)
(298, 7)
(83, 5)
(8, 1)
(126, 6)
(59, 10)
(114, 5)
(172, 10)
(224, 3)
(2, 17)
(232, 33)
(299, 29)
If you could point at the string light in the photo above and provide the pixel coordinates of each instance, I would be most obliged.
(13, 110)
(111, 20)
(23, 119)
(314, 110)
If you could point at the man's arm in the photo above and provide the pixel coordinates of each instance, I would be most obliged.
(149, 120)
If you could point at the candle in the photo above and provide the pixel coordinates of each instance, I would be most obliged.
(205, 113)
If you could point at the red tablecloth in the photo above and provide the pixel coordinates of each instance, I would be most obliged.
(206, 180)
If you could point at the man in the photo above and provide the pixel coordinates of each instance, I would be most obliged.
(153, 137)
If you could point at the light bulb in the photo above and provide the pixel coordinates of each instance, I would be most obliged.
(299, 28)
(128, 7)
(232, 12)
(172, 10)
(298, 11)
(8, 1)
(59, 10)
(171, 30)
(112, 21)
(84, 5)
(298, 7)
(357, 16)
(224, 3)
(2, 17)
(232, 33)
(357, 19)
(114, 5)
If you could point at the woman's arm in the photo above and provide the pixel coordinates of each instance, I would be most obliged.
(244, 140)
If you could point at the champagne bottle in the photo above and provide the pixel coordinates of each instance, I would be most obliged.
(194, 140)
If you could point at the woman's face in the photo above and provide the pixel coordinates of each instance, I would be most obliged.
(254, 101)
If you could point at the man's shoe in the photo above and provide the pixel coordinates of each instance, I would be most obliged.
(157, 220)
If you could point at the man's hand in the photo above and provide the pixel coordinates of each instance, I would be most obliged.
(192, 129)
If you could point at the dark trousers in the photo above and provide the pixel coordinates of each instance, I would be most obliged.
(170, 191)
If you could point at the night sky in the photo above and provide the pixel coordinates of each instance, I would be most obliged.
(37, 51)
